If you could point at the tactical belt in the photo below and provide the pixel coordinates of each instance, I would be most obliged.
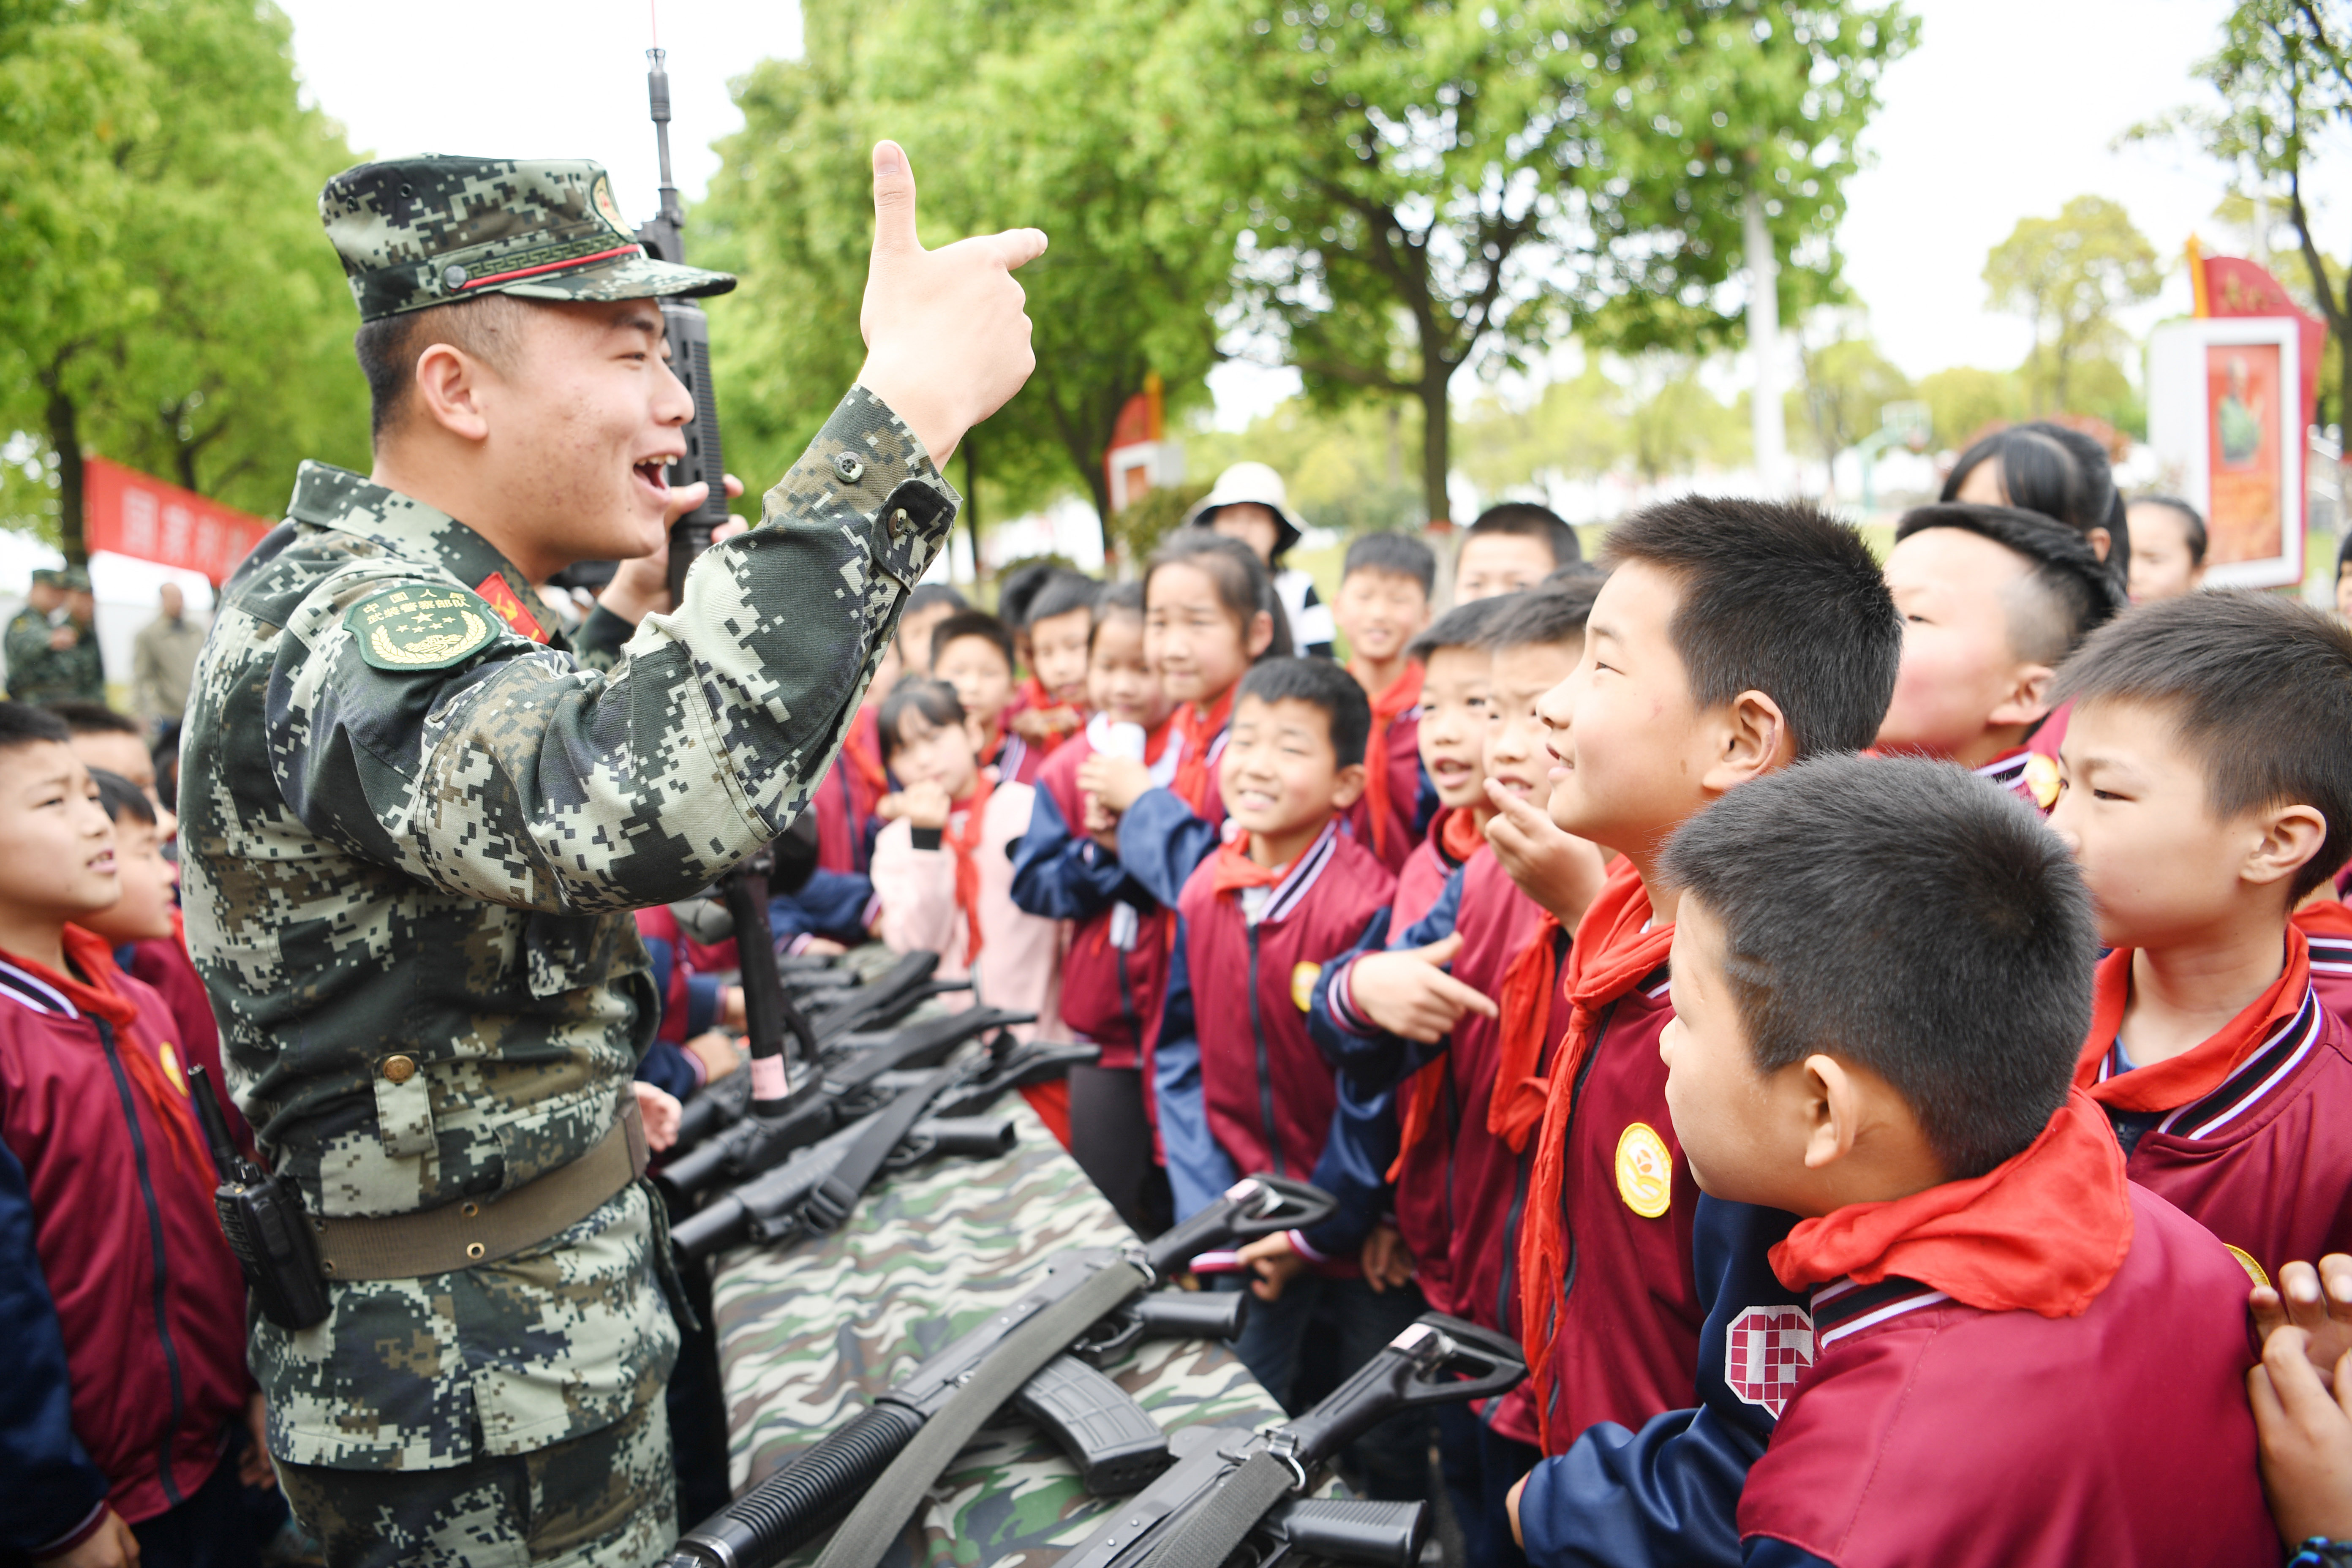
(462, 1235)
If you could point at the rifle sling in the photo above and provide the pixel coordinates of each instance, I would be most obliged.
(873, 1527)
(838, 1193)
(1224, 1521)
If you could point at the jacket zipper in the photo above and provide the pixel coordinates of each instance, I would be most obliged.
(1265, 1070)
(155, 1238)
(1127, 1012)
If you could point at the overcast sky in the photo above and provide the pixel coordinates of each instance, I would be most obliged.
(2007, 109)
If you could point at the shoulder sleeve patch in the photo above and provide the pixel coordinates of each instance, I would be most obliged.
(420, 627)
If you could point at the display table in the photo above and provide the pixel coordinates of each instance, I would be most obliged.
(807, 1336)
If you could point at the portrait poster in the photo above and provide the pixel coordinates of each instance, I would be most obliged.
(2248, 517)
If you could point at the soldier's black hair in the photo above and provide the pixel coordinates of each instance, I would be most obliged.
(2192, 523)
(1525, 520)
(1463, 626)
(1543, 616)
(485, 327)
(122, 798)
(973, 624)
(83, 718)
(936, 701)
(930, 595)
(1061, 593)
(1895, 913)
(1778, 597)
(1244, 586)
(1116, 599)
(22, 724)
(1398, 554)
(2067, 593)
(2259, 689)
(1319, 683)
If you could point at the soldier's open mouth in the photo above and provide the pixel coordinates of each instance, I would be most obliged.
(654, 475)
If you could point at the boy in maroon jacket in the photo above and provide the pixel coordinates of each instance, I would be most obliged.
(1240, 1087)
(1733, 639)
(123, 1311)
(1944, 1328)
(1384, 603)
(2208, 773)
(1457, 713)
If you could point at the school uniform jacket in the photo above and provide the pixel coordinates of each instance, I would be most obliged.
(1240, 1085)
(690, 1004)
(1401, 755)
(2327, 927)
(1115, 973)
(1020, 954)
(1866, 1427)
(1423, 875)
(2264, 1161)
(1161, 840)
(124, 1310)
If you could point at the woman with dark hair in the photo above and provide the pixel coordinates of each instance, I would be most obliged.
(2060, 473)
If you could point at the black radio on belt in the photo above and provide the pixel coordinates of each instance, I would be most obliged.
(262, 1216)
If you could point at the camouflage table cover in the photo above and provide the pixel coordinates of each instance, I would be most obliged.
(807, 1336)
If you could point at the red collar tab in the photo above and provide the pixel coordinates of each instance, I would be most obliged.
(500, 596)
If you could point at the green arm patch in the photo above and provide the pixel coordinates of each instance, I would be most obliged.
(421, 628)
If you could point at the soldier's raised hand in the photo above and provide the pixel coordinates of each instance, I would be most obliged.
(947, 341)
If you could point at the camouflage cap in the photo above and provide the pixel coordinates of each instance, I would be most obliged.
(48, 577)
(74, 580)
(415, 232)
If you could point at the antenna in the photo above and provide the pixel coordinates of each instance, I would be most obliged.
(673, 211)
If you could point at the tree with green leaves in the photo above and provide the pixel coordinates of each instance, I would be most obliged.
(1964, 402)
(2284, 75)
(2068, 275)
(1012, 116)
(1428, 186)
(1848, 384)
(173, 302)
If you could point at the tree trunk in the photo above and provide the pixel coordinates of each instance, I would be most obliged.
(1768, 421)
(1436, 443)
(65, 437)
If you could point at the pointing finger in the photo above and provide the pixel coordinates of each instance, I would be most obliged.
(1468, 997)
(1014, 247)
(894, 202)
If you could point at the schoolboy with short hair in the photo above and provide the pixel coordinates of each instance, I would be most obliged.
(1383, 604)
(2208, 790)
(927, 604)
(1510, 548)
(1240, 1087)
(1732, 639)
(1051, 703)
(1432, 1022)
(1993, 599)
(973, 651)
(1114, 969)
(1942, 1326)
(1456, 714)
(122, 1310)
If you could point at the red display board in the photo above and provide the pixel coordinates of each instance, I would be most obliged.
(131, 513)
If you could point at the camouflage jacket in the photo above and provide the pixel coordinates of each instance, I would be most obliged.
(413, 825)
(39, 673)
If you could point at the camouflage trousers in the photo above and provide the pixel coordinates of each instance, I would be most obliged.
(604, 1499)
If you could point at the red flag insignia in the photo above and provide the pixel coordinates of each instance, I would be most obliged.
(501, 598)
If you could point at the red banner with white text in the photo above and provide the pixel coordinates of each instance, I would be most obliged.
(131, 513)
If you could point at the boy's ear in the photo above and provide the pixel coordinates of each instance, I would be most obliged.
(2291, 835)
(2028, 698)
(1346, 786)
(1832, 1111)
(448, 391)
(1750, 738)
(1261, 634)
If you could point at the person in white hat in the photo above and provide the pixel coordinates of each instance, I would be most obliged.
(1250, 503)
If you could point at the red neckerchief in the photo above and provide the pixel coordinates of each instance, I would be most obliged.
(96, 996)
(965, 843)
(1611, 955)
(1459, 837)
(1236, 869)
(863, 748)
(2043, 1230)
(1033, 698)
(1402, 694)
(1199, 730)
(1155, 741)
(1518, 1102)
(2197, 1072)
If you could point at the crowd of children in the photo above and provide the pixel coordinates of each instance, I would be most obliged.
(1873, 1030)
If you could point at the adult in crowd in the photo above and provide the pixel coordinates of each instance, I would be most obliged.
(52, 642)
(163, 662)
(418, 817)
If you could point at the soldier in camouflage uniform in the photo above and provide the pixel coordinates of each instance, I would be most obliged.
(51, 663)
(415, 821)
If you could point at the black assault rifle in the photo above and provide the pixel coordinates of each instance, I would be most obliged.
(879, 1465)
(1232, 1488)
